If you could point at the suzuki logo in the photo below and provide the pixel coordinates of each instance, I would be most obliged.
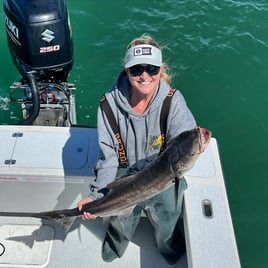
(48, 35)
(12, 27)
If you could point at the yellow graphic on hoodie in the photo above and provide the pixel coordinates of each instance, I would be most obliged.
(155, 142)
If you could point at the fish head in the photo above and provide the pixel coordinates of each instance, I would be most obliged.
(186, 148)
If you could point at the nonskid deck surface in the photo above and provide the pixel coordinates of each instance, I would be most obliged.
(29, 244)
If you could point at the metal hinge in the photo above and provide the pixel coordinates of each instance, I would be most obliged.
(10, 162)
(17, 134)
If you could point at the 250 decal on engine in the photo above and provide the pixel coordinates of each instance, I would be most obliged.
(49, 49)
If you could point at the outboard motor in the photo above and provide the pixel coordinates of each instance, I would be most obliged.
(40, 43)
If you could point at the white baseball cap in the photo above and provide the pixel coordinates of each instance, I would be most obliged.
(143, 54)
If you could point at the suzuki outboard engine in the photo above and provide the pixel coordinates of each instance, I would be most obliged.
(40, 43)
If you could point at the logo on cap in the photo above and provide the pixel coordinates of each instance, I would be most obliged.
(140, 51)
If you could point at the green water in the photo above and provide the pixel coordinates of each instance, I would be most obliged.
(218, 52)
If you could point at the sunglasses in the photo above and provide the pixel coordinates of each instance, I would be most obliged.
(138, 69)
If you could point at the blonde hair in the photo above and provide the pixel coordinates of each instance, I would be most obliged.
(147, 39)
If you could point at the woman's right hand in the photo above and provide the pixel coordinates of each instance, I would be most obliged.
(86, 215)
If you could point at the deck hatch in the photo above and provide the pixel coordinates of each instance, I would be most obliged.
(25, 245)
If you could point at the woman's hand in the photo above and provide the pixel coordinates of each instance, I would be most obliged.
(86, 215)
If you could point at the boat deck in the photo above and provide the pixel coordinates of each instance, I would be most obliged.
(46, 168)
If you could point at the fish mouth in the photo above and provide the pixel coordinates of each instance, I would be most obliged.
(204, 138)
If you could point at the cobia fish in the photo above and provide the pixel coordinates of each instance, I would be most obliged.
(124, 193)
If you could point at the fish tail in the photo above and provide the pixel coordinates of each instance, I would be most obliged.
(64, 218)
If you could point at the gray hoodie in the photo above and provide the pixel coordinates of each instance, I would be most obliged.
(140, 132)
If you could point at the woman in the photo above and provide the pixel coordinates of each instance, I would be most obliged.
(136, 100)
